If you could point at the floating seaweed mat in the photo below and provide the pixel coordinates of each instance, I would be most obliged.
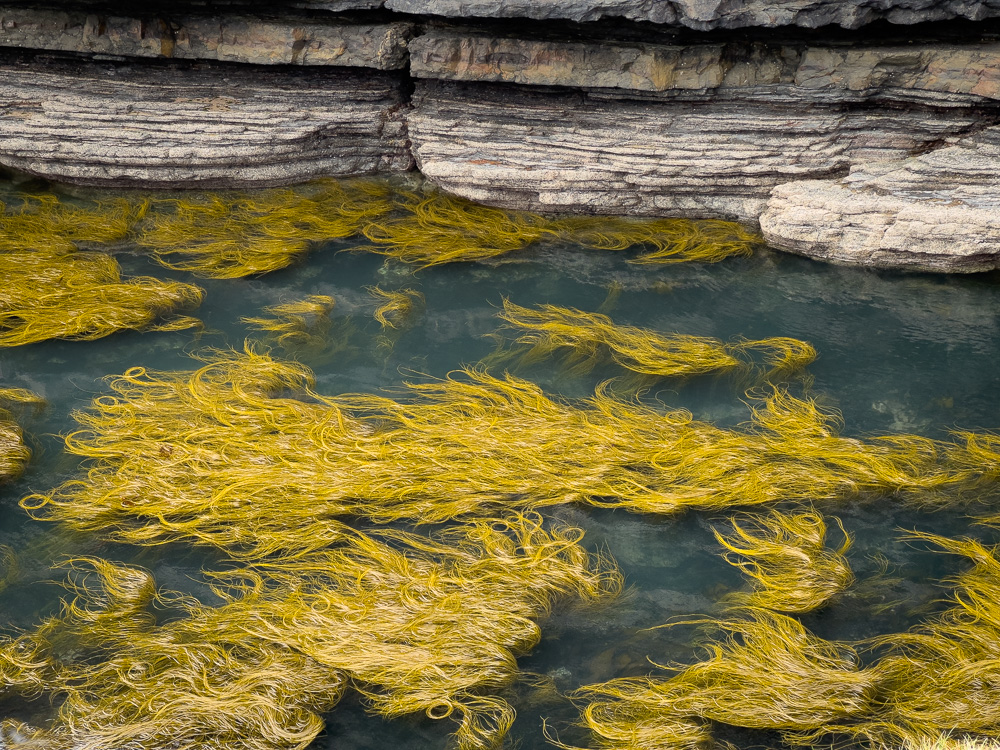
(52, 294)
(940, 677)
(765, 671)
(44, 222)
(432, 228)
(230, 235)
(416, 624)
(14, 454)
(787, 561)
(593, 338)
(244, 443)
(300, 324)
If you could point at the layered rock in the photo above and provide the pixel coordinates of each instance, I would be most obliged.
(713, 14)
(553, 150)
(204, 125)
(939, 211)
(234, 38)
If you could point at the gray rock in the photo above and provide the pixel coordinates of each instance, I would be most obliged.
(939, 211)
(711, 14)
(228, 37)
(206, 125)
(542, 150)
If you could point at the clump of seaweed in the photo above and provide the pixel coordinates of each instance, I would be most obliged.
(14, 454)
(592, 338)
(432, 228)
(937, 677)
(246, 441)
(45, 222)
(786, 558)
(765, 671)
(52, 294)
(396, 307)
(415, 624)
(302, 324)
(670, 240)
(230, 235)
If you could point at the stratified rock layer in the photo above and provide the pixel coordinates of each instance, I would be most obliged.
(939, 211)
(233, 38)
(207, 125)
(550, 150)
(712, 14)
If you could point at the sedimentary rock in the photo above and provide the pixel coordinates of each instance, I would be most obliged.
(203, 125)
(550, 150)
(711, 14)
(287, 39)
(939, 211)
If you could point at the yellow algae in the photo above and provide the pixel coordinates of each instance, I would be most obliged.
(937, 677)
(415, 624)
(300, 324)
(765, 671)
(396, 307)
(592, 338)
(433, 228)
(670, 240)
(230, 235)
(14, 454)
(244, 441)
(45, 222)
(786, 558)
(51, 294)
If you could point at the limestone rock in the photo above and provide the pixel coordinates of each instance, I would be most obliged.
(936, 75)
(547, 150)
(208, 125)
(939, 211)
(712, 14)
(228, 37)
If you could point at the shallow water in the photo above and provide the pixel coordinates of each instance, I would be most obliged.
(897, 354)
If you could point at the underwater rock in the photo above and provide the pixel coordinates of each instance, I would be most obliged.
(555, 150)
(712, 14)
(206, 125)
(938, 211)
(242, 38)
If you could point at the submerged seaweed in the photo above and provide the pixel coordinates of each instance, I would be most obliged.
(415, 624)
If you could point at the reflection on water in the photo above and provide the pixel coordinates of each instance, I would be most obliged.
(896, 354)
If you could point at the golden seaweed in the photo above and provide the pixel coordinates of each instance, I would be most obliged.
(786, 559)
(303, 324)
(51, 294)
(588, 339)
(231, 235)
(764, 671)
(245, 440)
(415, 624)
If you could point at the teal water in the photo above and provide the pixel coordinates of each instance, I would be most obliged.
(897, 354)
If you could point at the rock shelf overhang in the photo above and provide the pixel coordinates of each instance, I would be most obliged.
(874, 147)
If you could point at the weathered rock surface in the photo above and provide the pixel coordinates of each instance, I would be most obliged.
(204, 125)
(234, 38)
(940, 75)
(712, 14)
(939, 211)
(549, 150)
